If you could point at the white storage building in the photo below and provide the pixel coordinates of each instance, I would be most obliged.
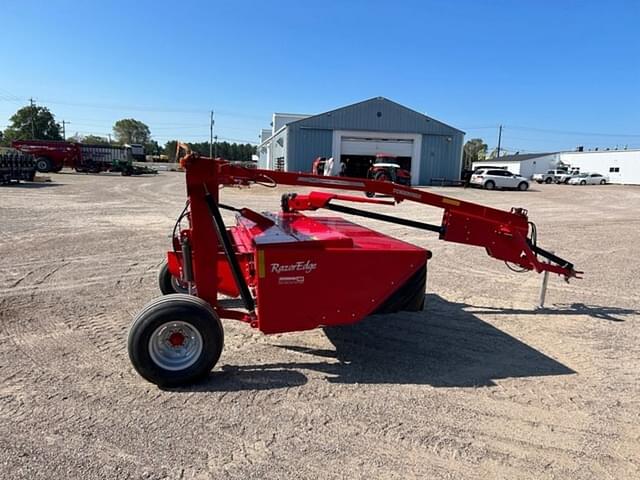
(526, 164)
(621, 166)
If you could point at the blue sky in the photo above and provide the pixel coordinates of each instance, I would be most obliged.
(556, 74)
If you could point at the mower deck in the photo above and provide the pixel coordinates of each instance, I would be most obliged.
(318, 271)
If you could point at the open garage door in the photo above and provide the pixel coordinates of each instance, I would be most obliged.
(357, 154)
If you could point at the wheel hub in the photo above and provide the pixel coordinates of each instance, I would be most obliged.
(175, 345)
(176, 339)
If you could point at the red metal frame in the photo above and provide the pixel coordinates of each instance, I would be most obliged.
(503, 234)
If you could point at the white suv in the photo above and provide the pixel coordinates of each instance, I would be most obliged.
(498, 178)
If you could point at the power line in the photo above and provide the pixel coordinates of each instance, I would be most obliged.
(33, 127)
(121, 107)
(64, 129)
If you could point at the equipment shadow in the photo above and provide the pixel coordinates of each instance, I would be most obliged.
(445, 345)
(34, 185)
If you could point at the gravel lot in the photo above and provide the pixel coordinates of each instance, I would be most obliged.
(478, 385)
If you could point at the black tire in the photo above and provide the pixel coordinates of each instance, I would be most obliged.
(548, 180)
(583, 182)
(168, 283)
(490, 185)
(603, 182)
(370, 194)
(43, 164)
(523, 186)
(160, 315)
(566, 182)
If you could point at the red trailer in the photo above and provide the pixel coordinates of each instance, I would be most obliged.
(51, 156)
(295, 272)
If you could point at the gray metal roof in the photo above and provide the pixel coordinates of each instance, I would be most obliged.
(516, 158)
(376, 114)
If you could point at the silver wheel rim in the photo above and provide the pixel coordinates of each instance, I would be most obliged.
(175, 345)
(41, 165)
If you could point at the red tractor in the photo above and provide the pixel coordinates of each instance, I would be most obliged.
(387, 169)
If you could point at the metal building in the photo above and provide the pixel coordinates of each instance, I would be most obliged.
(354, 134)
(621, 166)
(526, 164)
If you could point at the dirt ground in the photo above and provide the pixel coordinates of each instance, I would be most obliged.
(478, 385)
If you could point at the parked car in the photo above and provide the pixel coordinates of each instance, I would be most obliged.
(589, 179)
(565, 177)
(550, 176)
(499, 178)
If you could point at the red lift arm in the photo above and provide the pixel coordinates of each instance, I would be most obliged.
(505, 235)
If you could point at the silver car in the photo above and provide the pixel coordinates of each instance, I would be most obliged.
(589, 179)
(498, 178)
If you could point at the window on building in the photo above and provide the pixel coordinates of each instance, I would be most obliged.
(614, 169)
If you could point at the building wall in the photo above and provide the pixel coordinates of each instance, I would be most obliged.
(305, 144)
(279, 120)
(278, 150)
(441, 157)
(626, 161)
(539, 165)
(513, 167)
(264, 150)
(527, 168)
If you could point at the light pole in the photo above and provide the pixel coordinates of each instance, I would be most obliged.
(211, 124)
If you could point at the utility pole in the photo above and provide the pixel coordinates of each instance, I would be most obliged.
(33, 127)
(215, 145)
(211, 123)
(499, 140)
(109, 135)
(64, 129)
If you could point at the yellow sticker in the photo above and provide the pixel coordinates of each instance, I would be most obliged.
(261, 272)
(451, 201)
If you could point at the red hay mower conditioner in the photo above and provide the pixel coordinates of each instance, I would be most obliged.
(294, 272)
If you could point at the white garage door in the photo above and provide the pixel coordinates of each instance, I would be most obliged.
(371, 146)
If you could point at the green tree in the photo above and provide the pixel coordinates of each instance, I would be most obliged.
(473, 151)
(152, 148)
(32, 122)
(226, 150)
(129, 130)
(94, 140)
(170, 150)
